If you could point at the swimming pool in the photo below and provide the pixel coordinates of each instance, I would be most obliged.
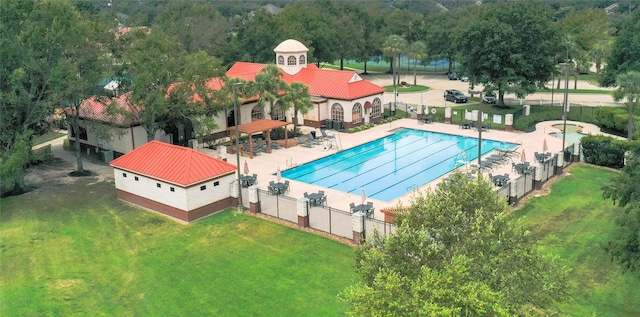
(392, 166)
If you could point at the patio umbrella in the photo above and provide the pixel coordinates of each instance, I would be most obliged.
(364, 196)
(545, 148)
(246, 168)
(278, 174)
(523, 157)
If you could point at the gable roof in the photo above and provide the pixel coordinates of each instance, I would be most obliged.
(337, 84)
(95, 108)
(171, 163)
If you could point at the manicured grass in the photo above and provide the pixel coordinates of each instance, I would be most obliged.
(401, 89)
(80, 251)
(574, 222)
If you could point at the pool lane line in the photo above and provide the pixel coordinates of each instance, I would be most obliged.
(380, 164)
(349, 157)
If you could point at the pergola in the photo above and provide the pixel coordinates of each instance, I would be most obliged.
(259, 126)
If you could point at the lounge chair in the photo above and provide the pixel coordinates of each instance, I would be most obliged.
(260, 146)
(248, 150)
(276, 145)
(303, 142)
(312, 139)
(325, 135)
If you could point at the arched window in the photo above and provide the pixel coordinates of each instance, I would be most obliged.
(377, 108)
(356, 113)
(277, 114)
(336, 112)
(256, 113)
(280, 60)
(302, 59)
(291, 60)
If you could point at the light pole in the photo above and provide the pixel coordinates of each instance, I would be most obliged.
(395, 85)
(564, 105)
(480, 117)
(237, 86)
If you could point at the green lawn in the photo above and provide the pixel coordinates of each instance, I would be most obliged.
(573, 222)
(79, 251)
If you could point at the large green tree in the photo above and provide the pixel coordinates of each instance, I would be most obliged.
(196, 25)
(455, 251)
(625, 55)
(518, 65)
(49, 60)
(629, 89)
(256, 36)
(154, 61)
(624, 246)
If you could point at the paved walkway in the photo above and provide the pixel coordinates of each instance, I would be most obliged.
(58, 151)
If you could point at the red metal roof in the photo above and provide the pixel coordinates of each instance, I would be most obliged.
(95, 108)
(173, 164)
(338, 84)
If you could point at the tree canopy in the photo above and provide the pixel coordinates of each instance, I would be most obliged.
(455, 251)
(625, 55)
(623, 190)
(49, 60)
(518, 65)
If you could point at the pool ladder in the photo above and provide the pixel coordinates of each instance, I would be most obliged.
(411, 188)
(461, 160)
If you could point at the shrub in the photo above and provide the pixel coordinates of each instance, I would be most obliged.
(278, 133)
(604, 150)
(613, 119)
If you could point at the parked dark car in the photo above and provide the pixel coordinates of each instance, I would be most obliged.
(490, 98)
(452, 76)
(455, 96)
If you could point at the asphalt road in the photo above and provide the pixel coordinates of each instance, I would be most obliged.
(438, 83)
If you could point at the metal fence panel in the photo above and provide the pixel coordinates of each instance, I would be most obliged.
(280, 206)
(383, 228)
(320, 218)
(341, 223)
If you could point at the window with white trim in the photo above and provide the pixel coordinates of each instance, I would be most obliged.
(302, 59)
(356, 113)
(280, 60)
(377, 108)
(276, 113)
(336, 112)
(291, 61)
(256, 113)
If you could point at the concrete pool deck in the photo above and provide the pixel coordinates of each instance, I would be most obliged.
(265, 165)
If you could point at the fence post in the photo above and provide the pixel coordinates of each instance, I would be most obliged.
(235, 188)
(302, 210)
(475, 116)
(447, 115)
(508, 122)
(537, 177)
(254, 200)
(560, 163)
(357, 223)
(576, 152)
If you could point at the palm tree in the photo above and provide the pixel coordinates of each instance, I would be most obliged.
(392, 47)
(628, 88)
(268, 85)
(417, 51)
(296, 97)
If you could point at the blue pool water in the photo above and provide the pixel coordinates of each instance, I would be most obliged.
(390, 167)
